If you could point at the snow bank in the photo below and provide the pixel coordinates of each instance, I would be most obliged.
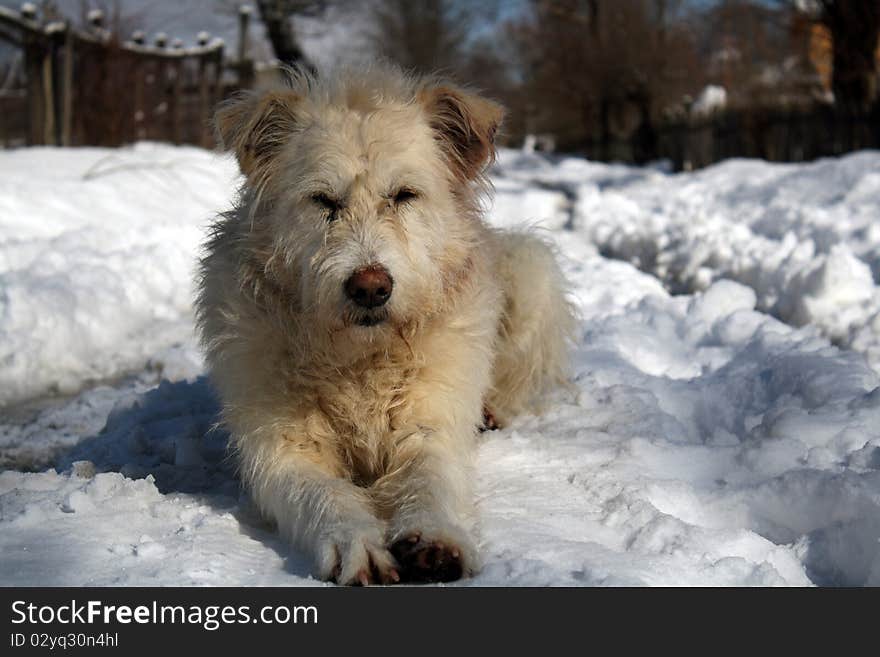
(804, 237)
(97, 255)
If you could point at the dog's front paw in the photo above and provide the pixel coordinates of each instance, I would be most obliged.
(357, 558)
(434, 557)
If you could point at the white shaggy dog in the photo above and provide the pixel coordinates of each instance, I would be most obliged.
(359, 316)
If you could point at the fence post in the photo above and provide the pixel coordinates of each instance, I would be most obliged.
(245, 66)
(217, 91)
(179, 68)
(244, 19)
(33, 50)
(67, 88)
(57, 36)
(204, 102)
(49, 88)
(140, 71)
(176, 96)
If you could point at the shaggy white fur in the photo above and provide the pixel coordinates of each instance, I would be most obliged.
(354, 424)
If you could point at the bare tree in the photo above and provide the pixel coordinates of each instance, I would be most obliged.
(604, 70)
(457, 38)
(758, 52)
(278, 17)
(422, 35)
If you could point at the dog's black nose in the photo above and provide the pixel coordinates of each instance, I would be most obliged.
(369, 287)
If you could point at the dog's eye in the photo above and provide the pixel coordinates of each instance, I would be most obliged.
(329, 204)
(404, 196)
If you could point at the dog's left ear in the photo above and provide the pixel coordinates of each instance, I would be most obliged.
(465, 125)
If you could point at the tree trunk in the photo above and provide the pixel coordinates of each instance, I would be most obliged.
(276, 18)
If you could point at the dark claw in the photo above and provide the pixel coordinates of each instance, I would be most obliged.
(489, 421)
(422, 562)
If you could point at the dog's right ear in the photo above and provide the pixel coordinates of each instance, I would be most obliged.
(255, 126)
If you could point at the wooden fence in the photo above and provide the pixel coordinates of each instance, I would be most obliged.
(775, 134)
(85, 87)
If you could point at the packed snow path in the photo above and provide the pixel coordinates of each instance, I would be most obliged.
(702, 442)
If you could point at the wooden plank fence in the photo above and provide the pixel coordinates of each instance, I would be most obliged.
(86, 87)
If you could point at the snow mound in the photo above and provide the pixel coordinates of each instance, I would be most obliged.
(804, 237)
(97, 256)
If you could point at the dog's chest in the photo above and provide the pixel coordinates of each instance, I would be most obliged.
(366, 406)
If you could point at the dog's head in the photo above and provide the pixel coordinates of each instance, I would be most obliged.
(362, 192)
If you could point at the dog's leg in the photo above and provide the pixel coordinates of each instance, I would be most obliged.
(296, 483)
(428, 496)
(427, 491)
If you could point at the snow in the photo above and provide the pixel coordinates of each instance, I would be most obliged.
(95, 272)
(803, 237)
(712, 433)
(711, 99)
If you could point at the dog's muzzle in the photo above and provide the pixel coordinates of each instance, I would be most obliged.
(369, 287)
